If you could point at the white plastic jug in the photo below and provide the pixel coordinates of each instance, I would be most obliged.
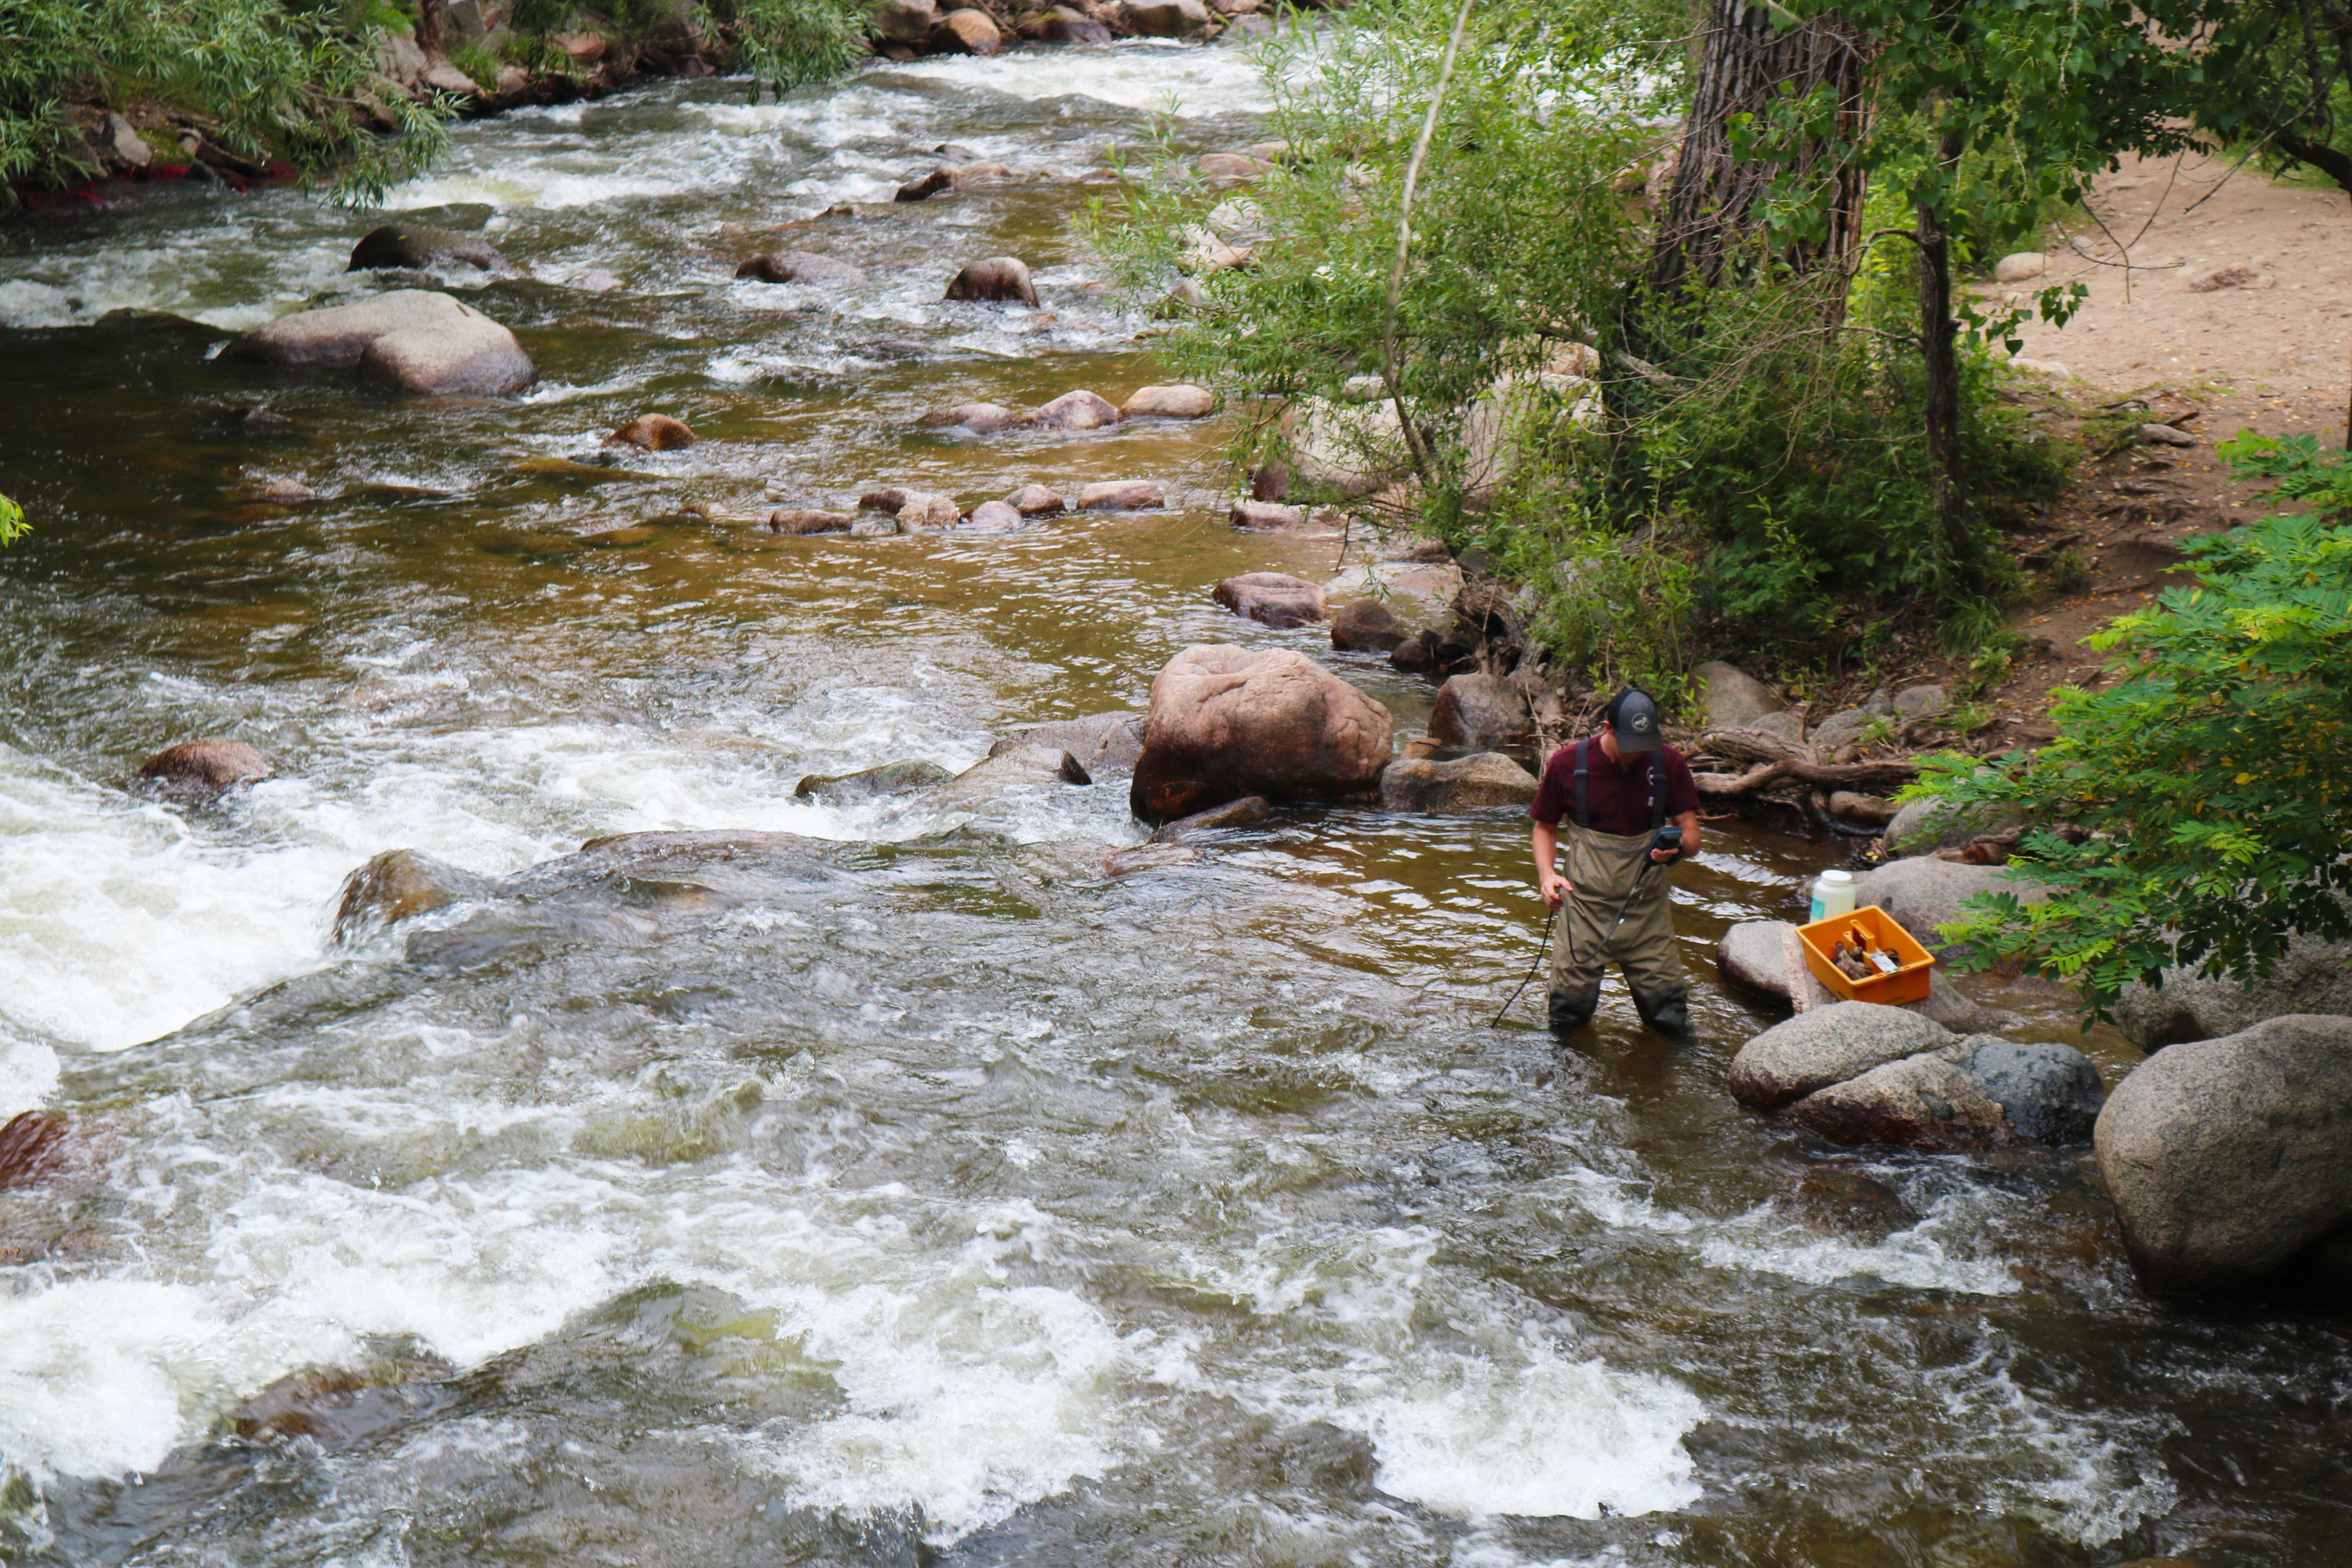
(1832, 896)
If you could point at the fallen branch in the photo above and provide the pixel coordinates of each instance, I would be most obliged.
(1872, 778)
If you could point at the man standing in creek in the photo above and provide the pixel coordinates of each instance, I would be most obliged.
(1618, 788)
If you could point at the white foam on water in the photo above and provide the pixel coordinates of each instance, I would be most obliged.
(1544, 1439)
(28, 1074)
(1186, 80)
(98, 1377)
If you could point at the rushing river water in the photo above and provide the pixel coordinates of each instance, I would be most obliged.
(942, 1202)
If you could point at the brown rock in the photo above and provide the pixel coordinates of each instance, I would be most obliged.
(1169, 403)
(32, 1147)
(1148, 858)
(412, 245)
(1862, 810)
(1121, 494)
(654, 432)
(1229, 721)
(1102, 742)
(1246, 811)
(1274, 598)
(799, 267)
(397, 885)
(410, 339)
(1000, 278)
(1927, 1102)
(1482, 712)
(906, 21)
(205, 766)
(923, 512)
(968, 32)
(1062, 24)
(890, 498)
(996, 517)
(1036, 501)
(980, 418)
(806, 520)
(1465, 783)
(1366, 626)
(1075, 411)
(2205, 279)
(1165, 18)
(1267, 514)
(923, 187)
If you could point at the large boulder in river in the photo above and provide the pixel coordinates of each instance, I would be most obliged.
(907, 22)
(1102, 742)
(204, 767)
(408, 245)
(1229, 721)
(998, 278)
(408, 340)
(1482, 712)
(980, 418)
(968, 31)
(1976, 1093)
(1272, 598)
(1923, 892)
(2227, 1157)
(1827, 1046)
(1465, 783)
(653, 433)
(2314, 976)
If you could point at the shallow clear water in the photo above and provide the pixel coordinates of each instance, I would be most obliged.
(932, 1199)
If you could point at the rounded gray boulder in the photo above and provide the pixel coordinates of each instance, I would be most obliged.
(2228, 1157)
(1828, 1046)
(2314, 976)
(2050, 1092)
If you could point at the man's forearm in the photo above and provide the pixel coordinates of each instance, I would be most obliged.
(1689, 823)
(1546, 844)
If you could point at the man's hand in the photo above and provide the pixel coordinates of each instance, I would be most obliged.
(1666, 857)
(1555, 888)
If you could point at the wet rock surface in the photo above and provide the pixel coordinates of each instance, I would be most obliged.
(799, 267)
(1480, 783)
(2228, 1157)
(415, 246)
(1102, 742)
(1272, 598)
(871, 783)
(1228, 721)
(1827, 1046)
(1366, 626)
(408, 340)
(204, 767)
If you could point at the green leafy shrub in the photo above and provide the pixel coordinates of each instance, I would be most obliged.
(787, 43)
(12, 525)
(281, 79)
(2214, 778)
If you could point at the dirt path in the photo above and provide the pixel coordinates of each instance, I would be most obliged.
(2269, 351)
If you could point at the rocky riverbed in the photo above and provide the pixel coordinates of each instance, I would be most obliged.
(768, 1098)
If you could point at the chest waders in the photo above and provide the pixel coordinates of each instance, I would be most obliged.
(1619, 914)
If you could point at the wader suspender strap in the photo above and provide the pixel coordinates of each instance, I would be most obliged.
(1583, 797)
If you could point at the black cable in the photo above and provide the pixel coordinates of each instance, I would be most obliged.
(1541, 948)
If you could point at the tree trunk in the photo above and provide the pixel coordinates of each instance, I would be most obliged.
(1747, 61)
(1939, 335)
(428, 27)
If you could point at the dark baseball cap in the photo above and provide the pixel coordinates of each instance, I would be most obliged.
(1633, 715)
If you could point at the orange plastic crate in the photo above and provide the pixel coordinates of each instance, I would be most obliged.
(1908, 984)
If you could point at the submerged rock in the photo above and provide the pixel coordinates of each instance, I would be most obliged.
(1246, 811)
(799, 267)
(1121, 494)
(32, 1148)
(398, 885)
(1272, 598)
(996, 279)
(1016, 769)
(807, 521)
(1467, 783)
(1229, 721)
(413, 246)
(654, 433)
(1102, 742)
(980, 418)
(1843, 1202)
(871, 783)
(205, 767)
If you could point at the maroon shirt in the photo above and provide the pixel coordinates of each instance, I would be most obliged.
(1619, 796)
